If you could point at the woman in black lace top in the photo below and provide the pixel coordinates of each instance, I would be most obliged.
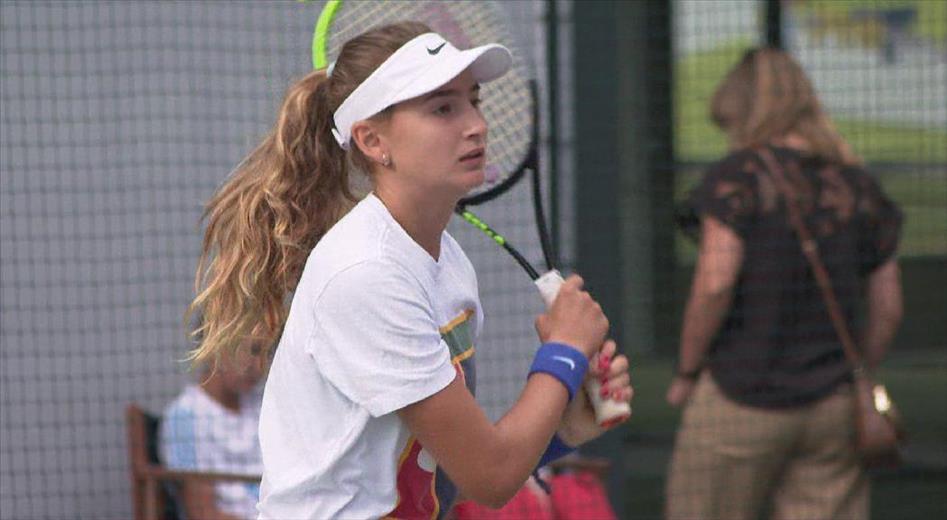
(761, 372)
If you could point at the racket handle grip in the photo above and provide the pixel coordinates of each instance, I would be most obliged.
(548, 285)
(608, 412)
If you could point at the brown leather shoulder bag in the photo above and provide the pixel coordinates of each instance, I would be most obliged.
(879, 432)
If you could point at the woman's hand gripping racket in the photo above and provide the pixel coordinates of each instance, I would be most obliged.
(509, 105)
(608, 412)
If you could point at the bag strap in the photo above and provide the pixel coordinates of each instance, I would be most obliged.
(810, 249)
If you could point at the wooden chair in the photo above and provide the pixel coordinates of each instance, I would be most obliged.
(151, 481)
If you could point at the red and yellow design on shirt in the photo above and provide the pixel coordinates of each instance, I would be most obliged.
(422, 488)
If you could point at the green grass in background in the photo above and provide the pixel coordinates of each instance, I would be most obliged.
(881, 143)
(923, 199)
(929, 22)
(698, 140)
(696, 76)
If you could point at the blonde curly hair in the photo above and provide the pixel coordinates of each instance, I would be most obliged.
(281, 199)
(767, 96)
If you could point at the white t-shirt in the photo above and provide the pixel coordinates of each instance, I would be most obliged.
(376, 324)
(199, 433)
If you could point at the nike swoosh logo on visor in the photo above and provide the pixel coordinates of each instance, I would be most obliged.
(565, 360)
(436, 50)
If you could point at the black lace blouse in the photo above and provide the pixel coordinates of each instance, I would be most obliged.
(777, 347)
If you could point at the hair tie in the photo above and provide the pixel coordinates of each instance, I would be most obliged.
(329, 69)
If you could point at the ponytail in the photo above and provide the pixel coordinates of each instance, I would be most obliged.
(281, 199)
(264, 220)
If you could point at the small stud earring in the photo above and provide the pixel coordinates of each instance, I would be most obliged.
(385, 161)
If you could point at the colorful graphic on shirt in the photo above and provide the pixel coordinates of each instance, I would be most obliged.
(415, 484)
(422, 487)
(459, 336)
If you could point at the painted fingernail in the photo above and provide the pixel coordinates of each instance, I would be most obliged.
(604, 391)
(603, 363)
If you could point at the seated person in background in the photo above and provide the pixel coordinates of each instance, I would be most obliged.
(212, 426)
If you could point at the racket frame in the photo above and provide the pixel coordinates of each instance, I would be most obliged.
(608, 412)
(530, 161)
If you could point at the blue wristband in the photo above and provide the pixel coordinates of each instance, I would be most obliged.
(563, 362)
(556, 449)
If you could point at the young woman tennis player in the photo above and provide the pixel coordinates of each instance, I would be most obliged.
(369, 403)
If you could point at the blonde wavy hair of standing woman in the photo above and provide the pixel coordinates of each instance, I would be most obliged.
(266, 218)
(766, 97)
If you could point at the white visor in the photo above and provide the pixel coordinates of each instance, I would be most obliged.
(420, 66)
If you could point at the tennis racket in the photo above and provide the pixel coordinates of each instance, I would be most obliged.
(509, 106)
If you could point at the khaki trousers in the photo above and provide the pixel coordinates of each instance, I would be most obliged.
(730, 459)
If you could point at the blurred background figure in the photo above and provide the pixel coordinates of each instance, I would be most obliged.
(761, 372)
(212, 426)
